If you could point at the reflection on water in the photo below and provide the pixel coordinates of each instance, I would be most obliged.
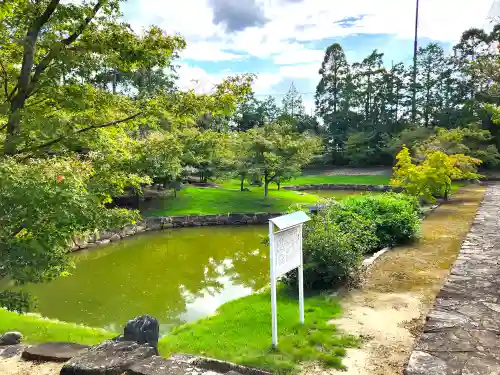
(176, 276)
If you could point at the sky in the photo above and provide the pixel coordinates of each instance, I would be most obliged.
(283, 41)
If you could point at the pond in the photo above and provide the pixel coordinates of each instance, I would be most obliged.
(176, 276)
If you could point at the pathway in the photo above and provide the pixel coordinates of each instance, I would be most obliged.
(389, 311)
(462, 333)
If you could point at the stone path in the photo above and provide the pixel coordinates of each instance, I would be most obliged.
(462, 333)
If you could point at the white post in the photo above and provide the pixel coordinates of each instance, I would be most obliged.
(301, 281)
(273, 286)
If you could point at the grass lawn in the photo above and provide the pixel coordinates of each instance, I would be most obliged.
(240, 332)
(36, 329)
(228, 198)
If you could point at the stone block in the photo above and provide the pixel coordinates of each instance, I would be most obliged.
(54, 351)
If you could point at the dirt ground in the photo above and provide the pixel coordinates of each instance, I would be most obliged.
(389, 311)
(16, 366)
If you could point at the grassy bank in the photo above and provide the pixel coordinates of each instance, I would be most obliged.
(36, 329)
(240, 332)
(229, 198)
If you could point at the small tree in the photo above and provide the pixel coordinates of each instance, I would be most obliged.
(433, 177)
(275, 152)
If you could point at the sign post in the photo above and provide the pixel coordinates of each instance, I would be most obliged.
(285, 254)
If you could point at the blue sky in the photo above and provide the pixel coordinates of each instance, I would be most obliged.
(283, 40)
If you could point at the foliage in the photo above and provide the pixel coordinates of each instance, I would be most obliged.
(275, 152)
(366, 107)
(396, 217)
(434, 175)
(471, 141)
(43, 205)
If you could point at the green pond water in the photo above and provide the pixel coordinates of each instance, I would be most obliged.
(176, 276)
(337, 194)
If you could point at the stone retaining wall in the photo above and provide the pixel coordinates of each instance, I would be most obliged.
(155, 223)
(355, 187)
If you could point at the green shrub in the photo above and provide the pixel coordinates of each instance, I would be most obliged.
(396, 216)
(334, 243)
(353, 224)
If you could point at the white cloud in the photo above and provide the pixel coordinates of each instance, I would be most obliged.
(205, 51)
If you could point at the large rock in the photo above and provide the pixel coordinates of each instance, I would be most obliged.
(11, 338)
(161, 366)
(108, 358)
(142, 330)
(54, 351)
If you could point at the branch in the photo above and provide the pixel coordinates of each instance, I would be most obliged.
(3, 126)
(29, 49)
(42, 66)
(59, 139)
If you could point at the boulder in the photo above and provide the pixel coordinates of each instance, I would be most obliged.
(108, 358)
(53, 351)
(115, 237)
(10, 351)
(11, 338)
(143, 330)
(161, 366)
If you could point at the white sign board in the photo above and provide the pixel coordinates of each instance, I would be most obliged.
(285, 250)
(288, 250)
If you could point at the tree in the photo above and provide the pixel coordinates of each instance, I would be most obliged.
(292, 103)
(88, 103)
(276, 152)
(433, 176)
(43, 205)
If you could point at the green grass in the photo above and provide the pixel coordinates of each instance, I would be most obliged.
(228, 197)
(36, 329)
(240, 332)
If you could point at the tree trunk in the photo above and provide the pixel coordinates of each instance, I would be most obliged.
(266, 185)
(279, 185)
(242, 181)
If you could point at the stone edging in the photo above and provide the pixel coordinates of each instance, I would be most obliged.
(155, 223)
(356, 187)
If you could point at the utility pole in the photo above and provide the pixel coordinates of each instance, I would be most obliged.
(415, 51)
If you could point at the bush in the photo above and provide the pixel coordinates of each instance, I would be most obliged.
(334, 243)
(396, 216)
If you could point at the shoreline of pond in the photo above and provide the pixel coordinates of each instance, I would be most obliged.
(158, 223)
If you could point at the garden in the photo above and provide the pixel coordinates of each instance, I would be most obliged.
(97, 138)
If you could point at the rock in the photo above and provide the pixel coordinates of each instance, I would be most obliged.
(103, 242)
(12, 350)
(161, 366)
(143, 330)
(54, 351)
(129, 230)
(215, 365)
(11, 338)
(81, 242)
(115, 237)
(108, 358)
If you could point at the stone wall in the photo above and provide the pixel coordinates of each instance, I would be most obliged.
(355, 187)
(155, 223)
